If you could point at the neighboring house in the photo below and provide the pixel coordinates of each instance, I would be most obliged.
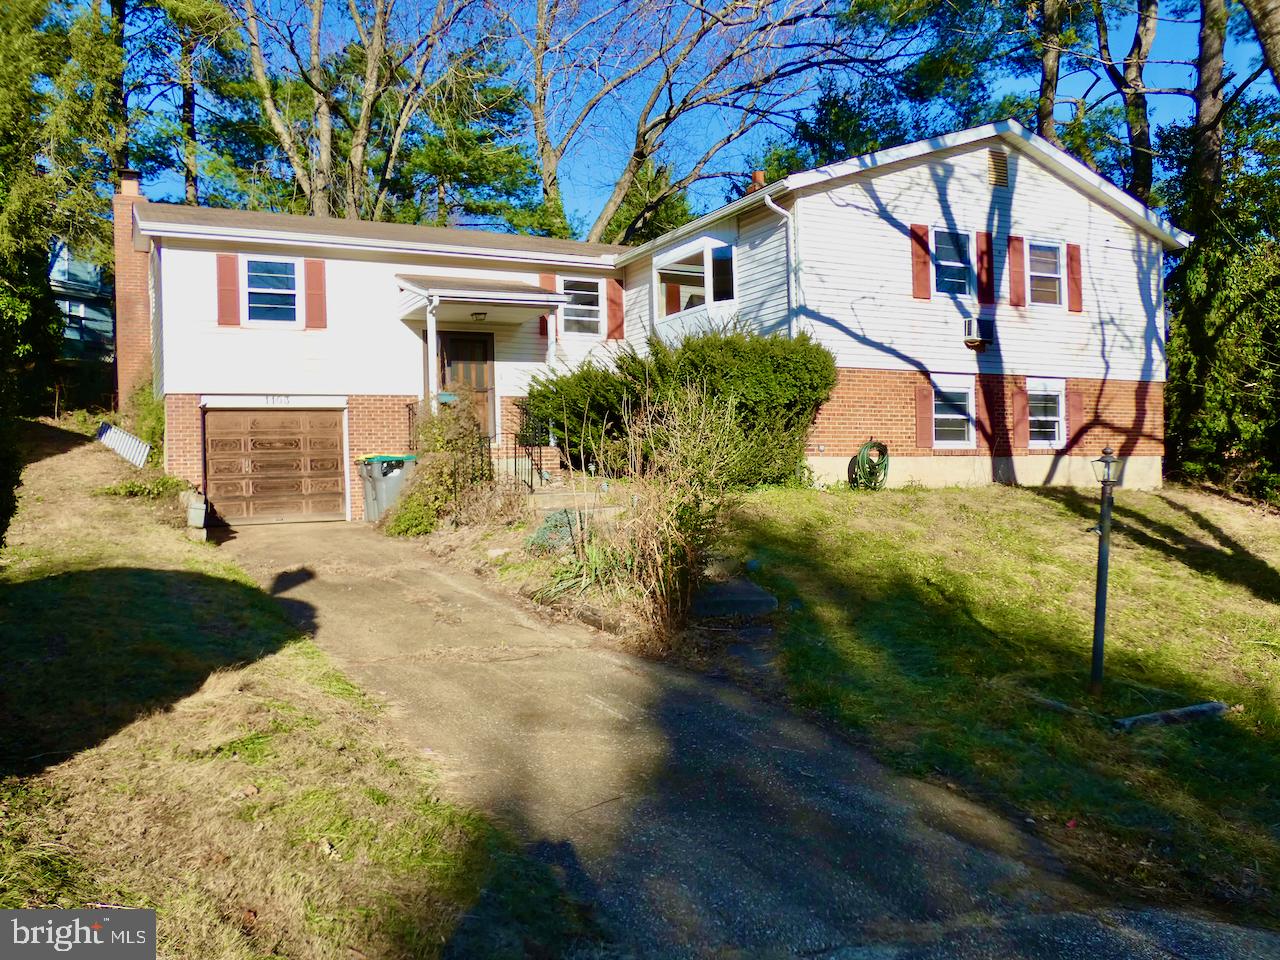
(86, 302)
(995, 310)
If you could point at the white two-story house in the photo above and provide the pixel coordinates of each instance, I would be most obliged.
(994, 307)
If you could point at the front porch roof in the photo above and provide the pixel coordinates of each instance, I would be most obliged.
(480, 290)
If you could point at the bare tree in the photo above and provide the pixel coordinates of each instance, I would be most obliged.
(643, 73)
(367, 67)
(1127, 79)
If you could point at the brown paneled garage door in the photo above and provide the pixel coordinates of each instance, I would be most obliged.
(269, 466)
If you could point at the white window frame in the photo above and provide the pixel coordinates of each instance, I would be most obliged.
(953, 383)
(705, 243)
(602, 308)
(1055, 386)
(299, 293)
(971, 286)
(1062, 272)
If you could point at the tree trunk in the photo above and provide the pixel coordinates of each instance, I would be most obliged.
(1050, 60)
(1137, 116)
(322, 177)
(1205, 171)
(118, 107)
(187, 80)
(1265, 17)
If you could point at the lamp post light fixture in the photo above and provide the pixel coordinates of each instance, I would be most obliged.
(1106, 469)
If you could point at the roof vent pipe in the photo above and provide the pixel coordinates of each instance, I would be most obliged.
(757, 181)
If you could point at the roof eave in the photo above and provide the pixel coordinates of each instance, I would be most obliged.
(1015, 134)
(155, 228)
(689, 229)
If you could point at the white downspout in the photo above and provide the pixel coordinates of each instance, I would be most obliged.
(791, 269)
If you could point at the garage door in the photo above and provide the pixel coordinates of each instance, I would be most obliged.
(268, 466)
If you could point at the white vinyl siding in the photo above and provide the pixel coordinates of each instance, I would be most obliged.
(762, 271)
(854, 257)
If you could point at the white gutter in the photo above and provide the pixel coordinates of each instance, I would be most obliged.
(791, 266)
(197, 232)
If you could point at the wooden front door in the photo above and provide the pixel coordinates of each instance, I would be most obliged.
(466, 361)
(268, 466)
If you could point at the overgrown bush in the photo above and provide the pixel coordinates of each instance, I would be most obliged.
(776, 385)
(686, 451)
(454, 478)
(145, 420)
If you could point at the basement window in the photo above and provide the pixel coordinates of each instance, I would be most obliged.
(1046, 411)
(271, 291)
(953, 404)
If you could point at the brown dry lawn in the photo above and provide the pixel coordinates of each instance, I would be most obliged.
(170, 739)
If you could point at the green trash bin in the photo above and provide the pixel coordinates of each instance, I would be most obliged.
(384, 477)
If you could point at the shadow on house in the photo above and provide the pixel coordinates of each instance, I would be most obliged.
(87, 652)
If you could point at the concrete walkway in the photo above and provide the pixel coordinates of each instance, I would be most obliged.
(699, 820)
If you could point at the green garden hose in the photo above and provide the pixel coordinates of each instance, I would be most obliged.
(868, 473)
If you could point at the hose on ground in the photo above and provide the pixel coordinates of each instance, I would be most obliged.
(868, 472)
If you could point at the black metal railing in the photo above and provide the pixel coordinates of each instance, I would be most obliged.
(532, 437)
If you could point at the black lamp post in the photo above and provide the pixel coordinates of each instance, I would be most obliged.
(1106, 469)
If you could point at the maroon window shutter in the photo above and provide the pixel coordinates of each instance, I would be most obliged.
(920, 264)
(228, 290)
(547, 281)
(1075, 282)
(672, 293)
(613, 297)
(1075, 415)
(986, 270)
(316, 307)
(1021, 419)
(924, 416)
(1017, 272)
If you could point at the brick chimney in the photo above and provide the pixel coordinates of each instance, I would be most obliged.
(133, 298)
(757, 181)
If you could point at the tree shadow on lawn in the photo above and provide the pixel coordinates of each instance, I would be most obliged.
(41, 441)
(86, 652)
(933, 667)
(1220, 555)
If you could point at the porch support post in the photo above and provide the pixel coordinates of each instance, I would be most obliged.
(553, 328)
(433, 355)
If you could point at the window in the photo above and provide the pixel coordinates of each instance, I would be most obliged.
(722, 273)
(1044, 266)
(953, 412)
(271, 289)
(582, 312)
(952, 267)
(1046, 413)
(684, 282)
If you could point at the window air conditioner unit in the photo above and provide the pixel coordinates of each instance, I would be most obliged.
(978, 332)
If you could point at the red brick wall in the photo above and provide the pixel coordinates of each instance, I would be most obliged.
(184, 437)
(375, 424)
(881, 405)
(133, 301)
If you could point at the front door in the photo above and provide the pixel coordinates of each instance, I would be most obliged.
(466, 360)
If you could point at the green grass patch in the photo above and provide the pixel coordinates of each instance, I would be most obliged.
(926, 621)
(146, 487)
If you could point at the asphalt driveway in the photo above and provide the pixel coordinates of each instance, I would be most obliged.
(700, 821)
